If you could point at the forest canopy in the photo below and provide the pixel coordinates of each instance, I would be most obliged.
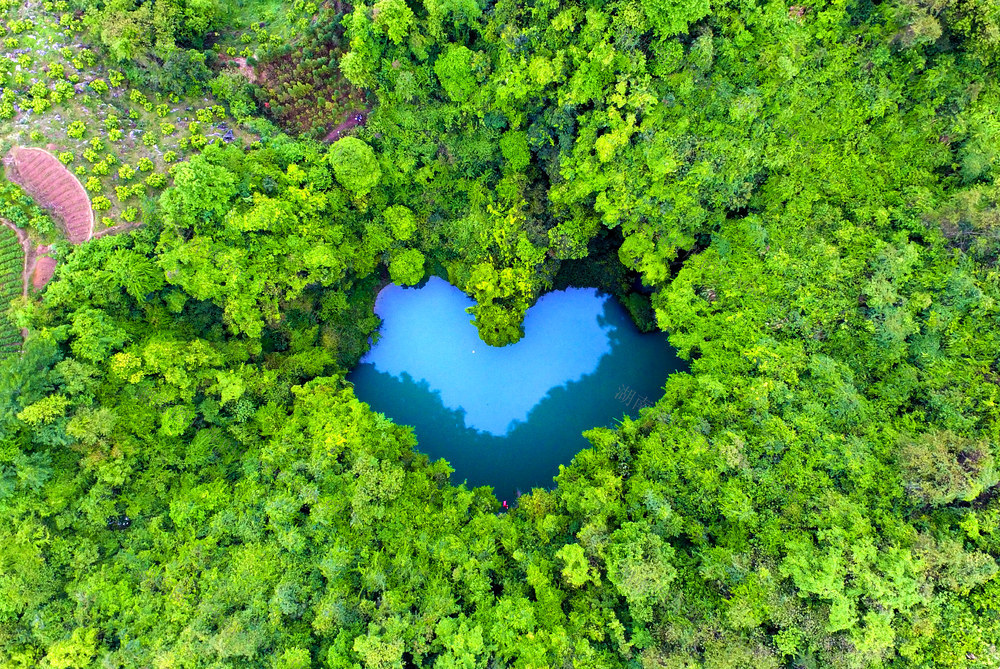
(805, 197)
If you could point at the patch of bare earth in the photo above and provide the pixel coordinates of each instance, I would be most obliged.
(241, 65)
(44, 268)
(53, 187)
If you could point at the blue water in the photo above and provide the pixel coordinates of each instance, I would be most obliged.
(508, 417)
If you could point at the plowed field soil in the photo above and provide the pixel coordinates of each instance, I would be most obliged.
(53, 187)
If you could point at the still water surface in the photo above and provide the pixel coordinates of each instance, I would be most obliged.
(508, 417)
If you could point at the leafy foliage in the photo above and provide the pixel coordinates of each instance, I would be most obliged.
(805, 197)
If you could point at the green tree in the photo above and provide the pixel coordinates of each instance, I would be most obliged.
(355, 165)
(407, 267)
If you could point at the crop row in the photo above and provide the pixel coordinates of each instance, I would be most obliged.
(10, 338)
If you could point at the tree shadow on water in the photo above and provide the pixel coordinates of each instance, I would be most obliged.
(631, 375)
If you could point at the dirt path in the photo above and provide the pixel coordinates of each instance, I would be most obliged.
(115, 229)
(352, 119)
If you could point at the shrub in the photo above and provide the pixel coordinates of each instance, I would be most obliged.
(130, 214)
(97, 144)
(115, 78)
(93, 184)
(167, 129)
(101, 203)
(126, 172)
(63, 90)
(156, 180)
(40, 105)
(169, 156)
(65, 157)
(114, 135)
(145, 165)
(99, 86)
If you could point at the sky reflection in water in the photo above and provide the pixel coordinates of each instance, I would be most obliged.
(508, 416)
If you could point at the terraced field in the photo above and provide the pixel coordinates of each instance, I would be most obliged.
(54, 188)
(11, 266)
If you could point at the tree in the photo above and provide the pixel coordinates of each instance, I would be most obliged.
(355, 165)
(940, 467)
(454, 71)
(407, 267)
(395, 17)
(201, 191)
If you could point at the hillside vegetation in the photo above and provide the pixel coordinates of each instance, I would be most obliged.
(806, 197)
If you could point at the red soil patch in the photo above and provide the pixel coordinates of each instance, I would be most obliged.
(53, 187)
(45, 267)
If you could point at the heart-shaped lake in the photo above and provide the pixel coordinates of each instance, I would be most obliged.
(507, 417)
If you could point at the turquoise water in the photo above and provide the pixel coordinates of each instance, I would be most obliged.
(508, 417)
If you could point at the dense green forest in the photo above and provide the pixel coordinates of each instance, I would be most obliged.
(806, 197)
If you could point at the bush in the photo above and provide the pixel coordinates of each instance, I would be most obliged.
(65, 157)
(99, 86)
(101, 203)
